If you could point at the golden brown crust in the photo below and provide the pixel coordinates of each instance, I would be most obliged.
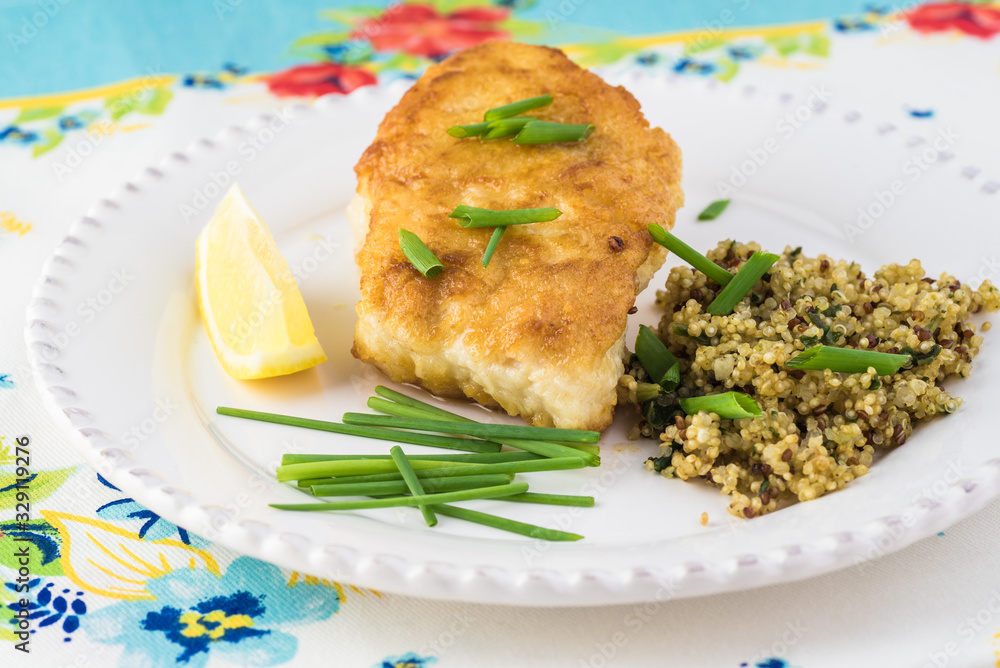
(555, 296)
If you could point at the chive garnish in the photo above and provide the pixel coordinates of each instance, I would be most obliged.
(552, 499)
(847, 360)
(505, 468)
(432, 440)
(728, 405)
(659, 363)
(491, 247)
(504, 524)
(474, 428)
(419, 255)
(517, 108)
(463, 131)
(689, 255)
(356, 467)
(411, 501)
(544, 132)
(412, 482)
(388, 487)
(434, 413)
(475, 458)
(473, 216)
(713, 210)
(742, 283)
(507, 127)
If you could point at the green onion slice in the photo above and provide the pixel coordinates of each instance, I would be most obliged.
(463, 131)
(431, 440)
(847, 360)
(507, 127)
(473, 216)
(544, 132)
(412, 482)
(419, 255)
(713, 210)
(475, 428)
(411, 501)
(689, 255)
(742, 283)
(504, 524)
(659, 363)
(517, 108)
(447, 471)
(728, 405)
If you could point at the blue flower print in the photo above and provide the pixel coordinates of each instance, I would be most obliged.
(153, 527)
(49, 609)
(239, 617)
(409, 660)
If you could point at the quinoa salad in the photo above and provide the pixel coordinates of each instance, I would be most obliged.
(818, 429)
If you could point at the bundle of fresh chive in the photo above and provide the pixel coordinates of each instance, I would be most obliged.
(433, 482)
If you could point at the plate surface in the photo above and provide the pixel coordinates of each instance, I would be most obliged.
(124, 363)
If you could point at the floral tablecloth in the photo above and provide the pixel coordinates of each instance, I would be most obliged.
(91, 577)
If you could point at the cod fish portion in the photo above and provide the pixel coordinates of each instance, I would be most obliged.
(540, 332)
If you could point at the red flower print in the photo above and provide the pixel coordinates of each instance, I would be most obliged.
(318, 79)
(978, 20)
(420, 30)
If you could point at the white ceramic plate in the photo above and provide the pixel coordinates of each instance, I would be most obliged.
(117, 348)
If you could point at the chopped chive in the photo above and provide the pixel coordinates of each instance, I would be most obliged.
(475, 458)
(728, 405)
(357, 467)
(399, 410)
(647, 391)
(713, 210)
(517, 108)
(689, 255)
(847, 360)
(474, 428)
(742, 283)
(419, 255)
(552, 499)
(544, 132)
(491, 247)
(412, 482)
(504, 524)
(473, 216)
(395, 487)
(507, 127)
(463, 131)
(411, 501)
(659, 363)
(399, 436)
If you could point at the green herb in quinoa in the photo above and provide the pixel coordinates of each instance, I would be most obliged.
(818, 429)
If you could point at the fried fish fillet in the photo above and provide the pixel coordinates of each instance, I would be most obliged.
(541, 330)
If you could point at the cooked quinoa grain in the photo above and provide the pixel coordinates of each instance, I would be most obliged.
(819, 429)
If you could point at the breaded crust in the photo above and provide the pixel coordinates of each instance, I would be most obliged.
(541, 330)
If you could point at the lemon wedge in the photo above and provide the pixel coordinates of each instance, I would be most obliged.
(252, 308)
